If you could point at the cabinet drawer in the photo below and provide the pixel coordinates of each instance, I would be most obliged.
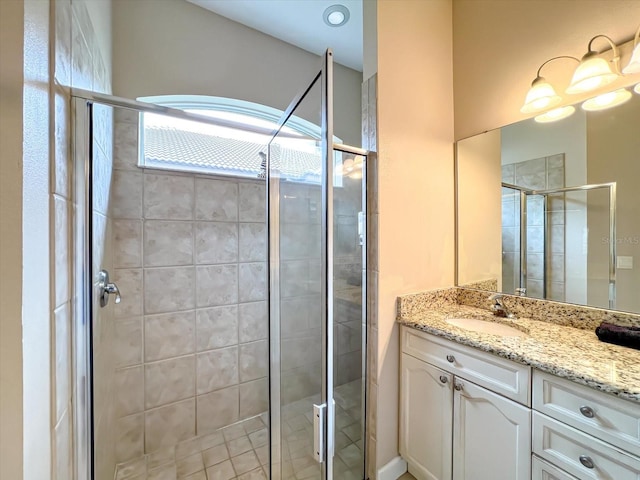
(609, 418)
(564, 446)
(498, 375)
(542, 470)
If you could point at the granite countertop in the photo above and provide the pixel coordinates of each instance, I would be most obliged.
(572, 353)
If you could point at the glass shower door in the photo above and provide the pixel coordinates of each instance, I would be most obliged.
(300, 256)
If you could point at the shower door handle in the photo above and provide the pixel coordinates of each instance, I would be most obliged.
(107, 288)
(319, 414)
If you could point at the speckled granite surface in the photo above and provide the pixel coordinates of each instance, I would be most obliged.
(577, 316)
(490, 285)
(554, 347)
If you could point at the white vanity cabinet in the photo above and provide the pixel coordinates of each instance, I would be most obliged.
(425, 419)
(491, 435)
(453, 426)
(542, 470)
(586, 433)
(470, 415)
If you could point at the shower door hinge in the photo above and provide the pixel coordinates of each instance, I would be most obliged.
(319, 414)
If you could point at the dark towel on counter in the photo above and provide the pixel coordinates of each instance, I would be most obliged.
(624, 336)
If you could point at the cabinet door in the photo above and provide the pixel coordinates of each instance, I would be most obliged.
(426, 419)
(491, 436)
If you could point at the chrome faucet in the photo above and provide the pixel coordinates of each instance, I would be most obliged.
(500, 307)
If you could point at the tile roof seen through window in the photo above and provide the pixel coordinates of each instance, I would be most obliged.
(167, 146)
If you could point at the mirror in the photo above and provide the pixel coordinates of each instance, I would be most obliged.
(552, 210)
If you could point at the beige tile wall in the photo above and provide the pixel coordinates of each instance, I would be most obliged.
(300, 329)
(79, 62)
(540, 173)
(369, 142)
(190, 261)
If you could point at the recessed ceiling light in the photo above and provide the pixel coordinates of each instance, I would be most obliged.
(336, 15)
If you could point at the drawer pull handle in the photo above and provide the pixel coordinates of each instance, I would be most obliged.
(451, 358)
(458, 386)
(587, 411)
(443, 379)
(586, 461)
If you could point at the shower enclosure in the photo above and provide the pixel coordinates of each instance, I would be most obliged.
(537, 226)
(221, 303)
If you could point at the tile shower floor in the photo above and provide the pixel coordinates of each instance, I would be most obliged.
(241, 451)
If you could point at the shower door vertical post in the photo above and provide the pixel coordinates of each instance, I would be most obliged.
(327, 260)
(82, 155)
(612, 245)
(523, 239)
(365, 307)
(273, 233)
(546, 245)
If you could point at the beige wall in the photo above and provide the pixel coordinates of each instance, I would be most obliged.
(37, 289)
(613, 146)
(528, 140)
(500, 44)
(479, 204)
(415, 177)
(11, 80)
(175, 47)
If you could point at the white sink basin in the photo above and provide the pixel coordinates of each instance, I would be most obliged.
(484, 326)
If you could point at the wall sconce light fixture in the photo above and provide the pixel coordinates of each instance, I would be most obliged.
(555, 114)
(350, 167)
(593, 72)
(634, 63)
(607, 100)
(542, 95)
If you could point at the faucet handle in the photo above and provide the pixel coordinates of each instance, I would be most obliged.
(496, 297)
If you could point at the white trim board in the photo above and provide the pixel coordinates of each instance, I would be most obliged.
(393, 470)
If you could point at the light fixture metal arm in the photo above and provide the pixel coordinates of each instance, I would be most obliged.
(614, 49)
(555, 58)
(636, 39)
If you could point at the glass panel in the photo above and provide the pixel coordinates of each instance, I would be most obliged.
(180, 365)
(576, 275)
(348, 320)
(510, 239)
(537, 245)
(592, 208)
(297, 346)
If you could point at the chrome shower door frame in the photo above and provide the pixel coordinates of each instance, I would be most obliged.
(325, 77)
(82, 103)
(83, 309)
(524, 193)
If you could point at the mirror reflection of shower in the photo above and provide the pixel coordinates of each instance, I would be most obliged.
(538, 225)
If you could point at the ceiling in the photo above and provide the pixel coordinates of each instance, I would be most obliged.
(300, 23)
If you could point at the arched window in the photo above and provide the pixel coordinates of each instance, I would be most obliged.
(177, 144)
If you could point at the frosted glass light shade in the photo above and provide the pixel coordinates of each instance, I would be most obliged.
(637, 89)
(540, 96)
(607, 100)
(555, 114)
(592, 73)
(634, 63)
